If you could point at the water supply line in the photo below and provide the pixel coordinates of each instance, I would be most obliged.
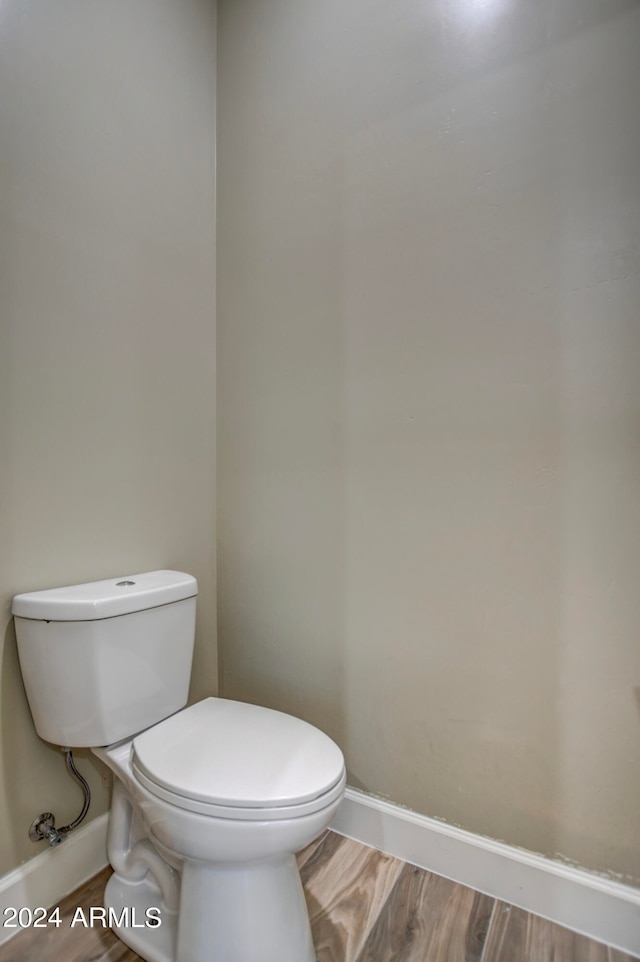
(44, 826)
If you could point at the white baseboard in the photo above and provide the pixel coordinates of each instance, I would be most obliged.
(45, 879)
(585, 902)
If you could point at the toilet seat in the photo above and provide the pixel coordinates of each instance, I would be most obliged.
(229, 759)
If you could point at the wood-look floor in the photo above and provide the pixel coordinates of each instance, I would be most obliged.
(364, 907)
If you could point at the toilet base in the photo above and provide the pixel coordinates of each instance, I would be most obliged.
(252, 912)
(244, 913)
(131, 902)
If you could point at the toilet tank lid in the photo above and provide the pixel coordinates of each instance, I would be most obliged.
(106, 599)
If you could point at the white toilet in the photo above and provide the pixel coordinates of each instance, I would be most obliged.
(210, 802)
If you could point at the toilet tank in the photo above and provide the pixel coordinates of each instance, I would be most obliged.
(105, 660)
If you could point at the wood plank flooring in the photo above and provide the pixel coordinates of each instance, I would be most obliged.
(364, 907)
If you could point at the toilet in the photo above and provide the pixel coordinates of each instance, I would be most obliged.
(210, 802)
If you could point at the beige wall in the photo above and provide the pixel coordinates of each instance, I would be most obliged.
(106, 330)
(428, 352)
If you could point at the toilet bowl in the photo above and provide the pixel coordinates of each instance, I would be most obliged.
(226, 792)
(210, 802)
